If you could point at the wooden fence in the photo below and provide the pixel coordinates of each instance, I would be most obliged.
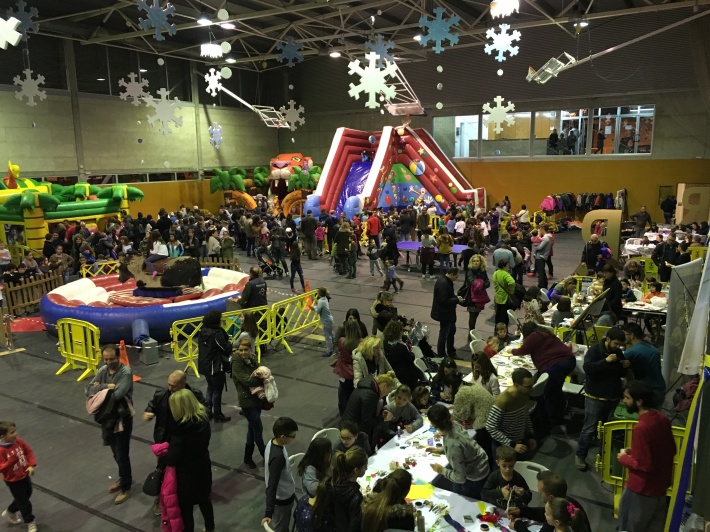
(227, 264)
(26, 295)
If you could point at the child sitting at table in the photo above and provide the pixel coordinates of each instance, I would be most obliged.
(597, 286)
(492, 346)
(446, 382)
(404, 414)
(349, 436)
(421, 398)
(654, 290)
(504, 337)
(627, 294)
(506, 487)
(562, 312)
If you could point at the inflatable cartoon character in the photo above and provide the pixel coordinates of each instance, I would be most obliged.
(13, 173)
(282, 168)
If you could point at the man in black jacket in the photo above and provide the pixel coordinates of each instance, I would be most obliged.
(159, 409)
(641, 218)
(254, 294)
(604, 367)
(665, 256)
(365, 407)
(212, 360)
(331, 227)
(443, 310)
(308, 226)
(592, 254)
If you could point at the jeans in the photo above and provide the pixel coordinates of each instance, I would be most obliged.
(255, 429)
(549, 265)
(120, 443)
(445, 344)
(352, 266)
(375, 264)
(296, 268)
(553, 396)
(540, 270)
(150, 259)
(427, 259)
(21, 492)
(251, 241)
(470, 488)
(444, 263)
(213, 397)
(594, 412)
(345, 390)
(188, 519)
(501, 315)
(639, 513)
(328, 333)
(281, 520)
(310, 246)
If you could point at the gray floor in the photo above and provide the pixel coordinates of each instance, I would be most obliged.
(75, 470)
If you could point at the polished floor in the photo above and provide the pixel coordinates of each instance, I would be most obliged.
(75, 470)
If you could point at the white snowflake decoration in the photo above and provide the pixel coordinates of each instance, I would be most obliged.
(8, 33)
(157, 17)
(372, 80)
(381, 48)
(289, 51)
(216, 135)
(502, 42)
(504, 8)
(164, 111)
(29, 88)
(439, 29)
(25, 17)
(134, 89)
(213, 82)
(292, 115)
(499, 114)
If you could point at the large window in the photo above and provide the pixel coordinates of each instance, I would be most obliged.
(560, 132)
(623, 130)
(467, 136)
(510, 140)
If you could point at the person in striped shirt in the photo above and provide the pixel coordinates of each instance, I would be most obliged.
(509, 420)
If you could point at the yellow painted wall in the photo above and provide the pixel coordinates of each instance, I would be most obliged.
(530, 181)
(171, 195)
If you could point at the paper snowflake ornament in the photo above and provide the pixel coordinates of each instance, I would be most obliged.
(373, 80)
(498, 114)
(134, 89)
(292, 115)
(381, 48)
(25, 17)
(213, 82)
(164, 111)
(9, 33)
(216, 135)
(29, 88)
(439, 29)
(289, 51)
(157, 17)
(503, 42)
(504, 8)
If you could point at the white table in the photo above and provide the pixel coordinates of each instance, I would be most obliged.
(415, 448)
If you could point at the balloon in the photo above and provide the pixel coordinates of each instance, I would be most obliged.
(400, 131)
(372, 139)
(438, 198)
(496, 153)
(417, 167)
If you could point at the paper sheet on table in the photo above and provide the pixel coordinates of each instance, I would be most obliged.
(420, 491)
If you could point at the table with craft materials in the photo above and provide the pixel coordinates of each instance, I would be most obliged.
(410, 246)
(408, 451)
(648, 309)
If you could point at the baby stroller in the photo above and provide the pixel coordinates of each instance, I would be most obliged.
(267, 264)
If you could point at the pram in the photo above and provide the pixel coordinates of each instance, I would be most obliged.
(267, 264)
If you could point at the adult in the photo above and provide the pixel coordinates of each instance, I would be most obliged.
(158, 251)
(352, 314)
(641, 219)
(668, 207)
(308, 226)
(254, 294)
(192, 244)
(214, 349)
(374, 226)
(503, 288)
(634, 272)
(423, 221)
(645, 361)
(600, 141)
(61, 262)
(565, 288)
(366, 406)
(344, 365)
(552, 142)
(117, 422)
(468, 463)
(443, 310)
(471, 406)
(503, 252)
(189, 454)
(523, 216)
(400, 356)
(665, 256)
(643, 503)
(592, 257)
(613, 296)
(604, 367)
(509, 420)
(368, 359)
(278, 247)
(243, 366)
(331, 227)
(549, 355)
(343, 241)
(478, 282)
(542, 253)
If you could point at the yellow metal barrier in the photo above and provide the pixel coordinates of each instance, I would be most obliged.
(79, 344)
(104, 267)
(233, 325)
(583, 282)
(616, 435)
(294, 315)
(697, 252)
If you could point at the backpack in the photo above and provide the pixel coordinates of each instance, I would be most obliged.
(683, 397)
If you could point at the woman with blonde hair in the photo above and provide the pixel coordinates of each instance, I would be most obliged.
(368, 359)
(188, 452)
(477, 281)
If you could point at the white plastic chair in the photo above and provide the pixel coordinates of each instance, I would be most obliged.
(539, 387)
(529, 471)
(419, 362)
(474, 334)
(572, 388)
(294, 460)
(267, 528)
(637, 294)
(477, 346)
(332, 434)
(512, 316)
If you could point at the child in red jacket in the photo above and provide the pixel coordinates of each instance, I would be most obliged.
(17, 465)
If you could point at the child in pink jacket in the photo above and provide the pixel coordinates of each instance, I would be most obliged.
(170, 516)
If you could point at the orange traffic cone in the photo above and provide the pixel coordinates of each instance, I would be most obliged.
(309, 299)
(123, 357)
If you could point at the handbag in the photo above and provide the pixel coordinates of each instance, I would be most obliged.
(515, 300)
(465, 293)
(153, 482)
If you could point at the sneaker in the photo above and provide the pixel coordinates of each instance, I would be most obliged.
(250, 463)
(31, 527)
(122, 496)
(580, 463)
(113, 488)
(12, 518)
(326, 355)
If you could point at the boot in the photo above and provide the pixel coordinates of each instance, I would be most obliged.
(221, 418)
(210, 415)
(248, 460)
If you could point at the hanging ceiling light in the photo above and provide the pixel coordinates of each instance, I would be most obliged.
(581, 22)
(228, 25)
(334, 53)
(504, 8)
(204, 19)
(212, 50)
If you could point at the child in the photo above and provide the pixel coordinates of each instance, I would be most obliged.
(561, 514)
(421, 398)
(564, 310)
(326, 319)
(506, 487)
(392, 279)
(492, 346)
(315, 465)
(374, 255)
(279, 480)
(427, 253)
(404, 414)
(320, 237)
(627, 294)
(228, 247)
(597, 286)
(504, 337)
(346, 497)
(349, 436)
(654, 290)
(352, 261)
(17, 465)
(447, 381)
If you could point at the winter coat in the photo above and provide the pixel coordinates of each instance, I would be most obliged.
(479, 297)
(360, 369)
(170, 515)
(443, 307)
(244, 379)
(160, 406)
(344, 506)
(189, 453)
(364, 406)
(214, 349)
(401, 358)
(344, 365)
